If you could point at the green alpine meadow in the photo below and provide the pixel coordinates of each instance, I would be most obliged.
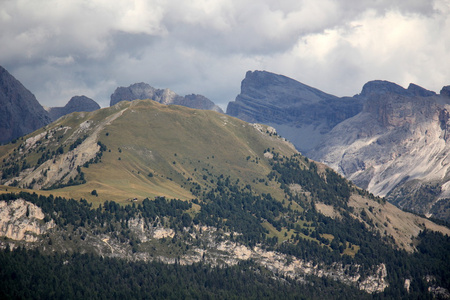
(145, 200)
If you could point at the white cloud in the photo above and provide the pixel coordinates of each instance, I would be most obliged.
(57, 48)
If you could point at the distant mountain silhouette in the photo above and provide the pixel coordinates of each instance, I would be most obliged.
(20, 112)
(165, 96)
(76, 103)
(387, 139)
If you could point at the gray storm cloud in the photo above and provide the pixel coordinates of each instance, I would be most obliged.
(59, 49)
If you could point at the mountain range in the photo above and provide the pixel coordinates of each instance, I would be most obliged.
(218, 206)
(185, 186)
(372, 138)
(21, 113)
(299, 112)
(387, 139)
(164, 96)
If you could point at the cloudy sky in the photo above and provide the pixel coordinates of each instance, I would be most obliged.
(62, 48)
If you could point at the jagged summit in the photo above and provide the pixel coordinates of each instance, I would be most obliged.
(20, 112)
(270, 97)
(165, 96)
(396, 147)
(135, 91)
(75, 104)
(388, 139)
(290, 106)
(279, 89)
(420, 91)
(445, 91)
(381, 87)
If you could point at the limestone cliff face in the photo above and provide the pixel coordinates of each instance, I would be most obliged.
(75, 104)
(20, 112)
(397, 147)
(299, 112)
(22, 221)
(390, 140)
(164, 96)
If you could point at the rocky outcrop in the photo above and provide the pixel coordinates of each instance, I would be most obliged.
(61, 169)
(420, 91)
(22, 221)
(228, 253)
(300, 113)
(20, 112)
(75, 104)
(396, 147)
(387, 139)
(164, 96)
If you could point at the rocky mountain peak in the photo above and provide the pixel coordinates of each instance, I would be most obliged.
(135, 91)
(20, 112)
(76, 103)
(381, 87)
(280, 90)
(165, 96)
(445, 91)
(397, 146)
(420, 91)
(299, 112)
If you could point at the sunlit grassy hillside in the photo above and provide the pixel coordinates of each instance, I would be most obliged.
(147, 150)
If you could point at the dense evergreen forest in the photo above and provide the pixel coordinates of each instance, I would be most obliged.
(28, 274)
(230, 207)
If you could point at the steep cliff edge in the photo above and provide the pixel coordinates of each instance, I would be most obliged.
(396, 147)
(20, 112)
(387, 139)
(299, 112)
(22, 221)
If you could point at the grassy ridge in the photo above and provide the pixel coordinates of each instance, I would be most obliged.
(180, 148)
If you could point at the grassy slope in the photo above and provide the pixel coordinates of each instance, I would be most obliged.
(173, 143)
(180, 147)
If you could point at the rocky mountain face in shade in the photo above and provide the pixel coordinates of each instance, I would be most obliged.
(75, 104)
(387, 139)
(299, 112)
(164, 96)
(20, 112)
(397, 147)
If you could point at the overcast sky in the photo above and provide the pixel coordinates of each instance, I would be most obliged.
(62, 48)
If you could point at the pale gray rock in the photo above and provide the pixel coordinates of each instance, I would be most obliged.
(165, 96)
(396, 147)
(75, 104)
(21, 220)
(387, 139)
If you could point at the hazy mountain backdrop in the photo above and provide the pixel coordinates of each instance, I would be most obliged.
(387, 139)
(143, 199)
